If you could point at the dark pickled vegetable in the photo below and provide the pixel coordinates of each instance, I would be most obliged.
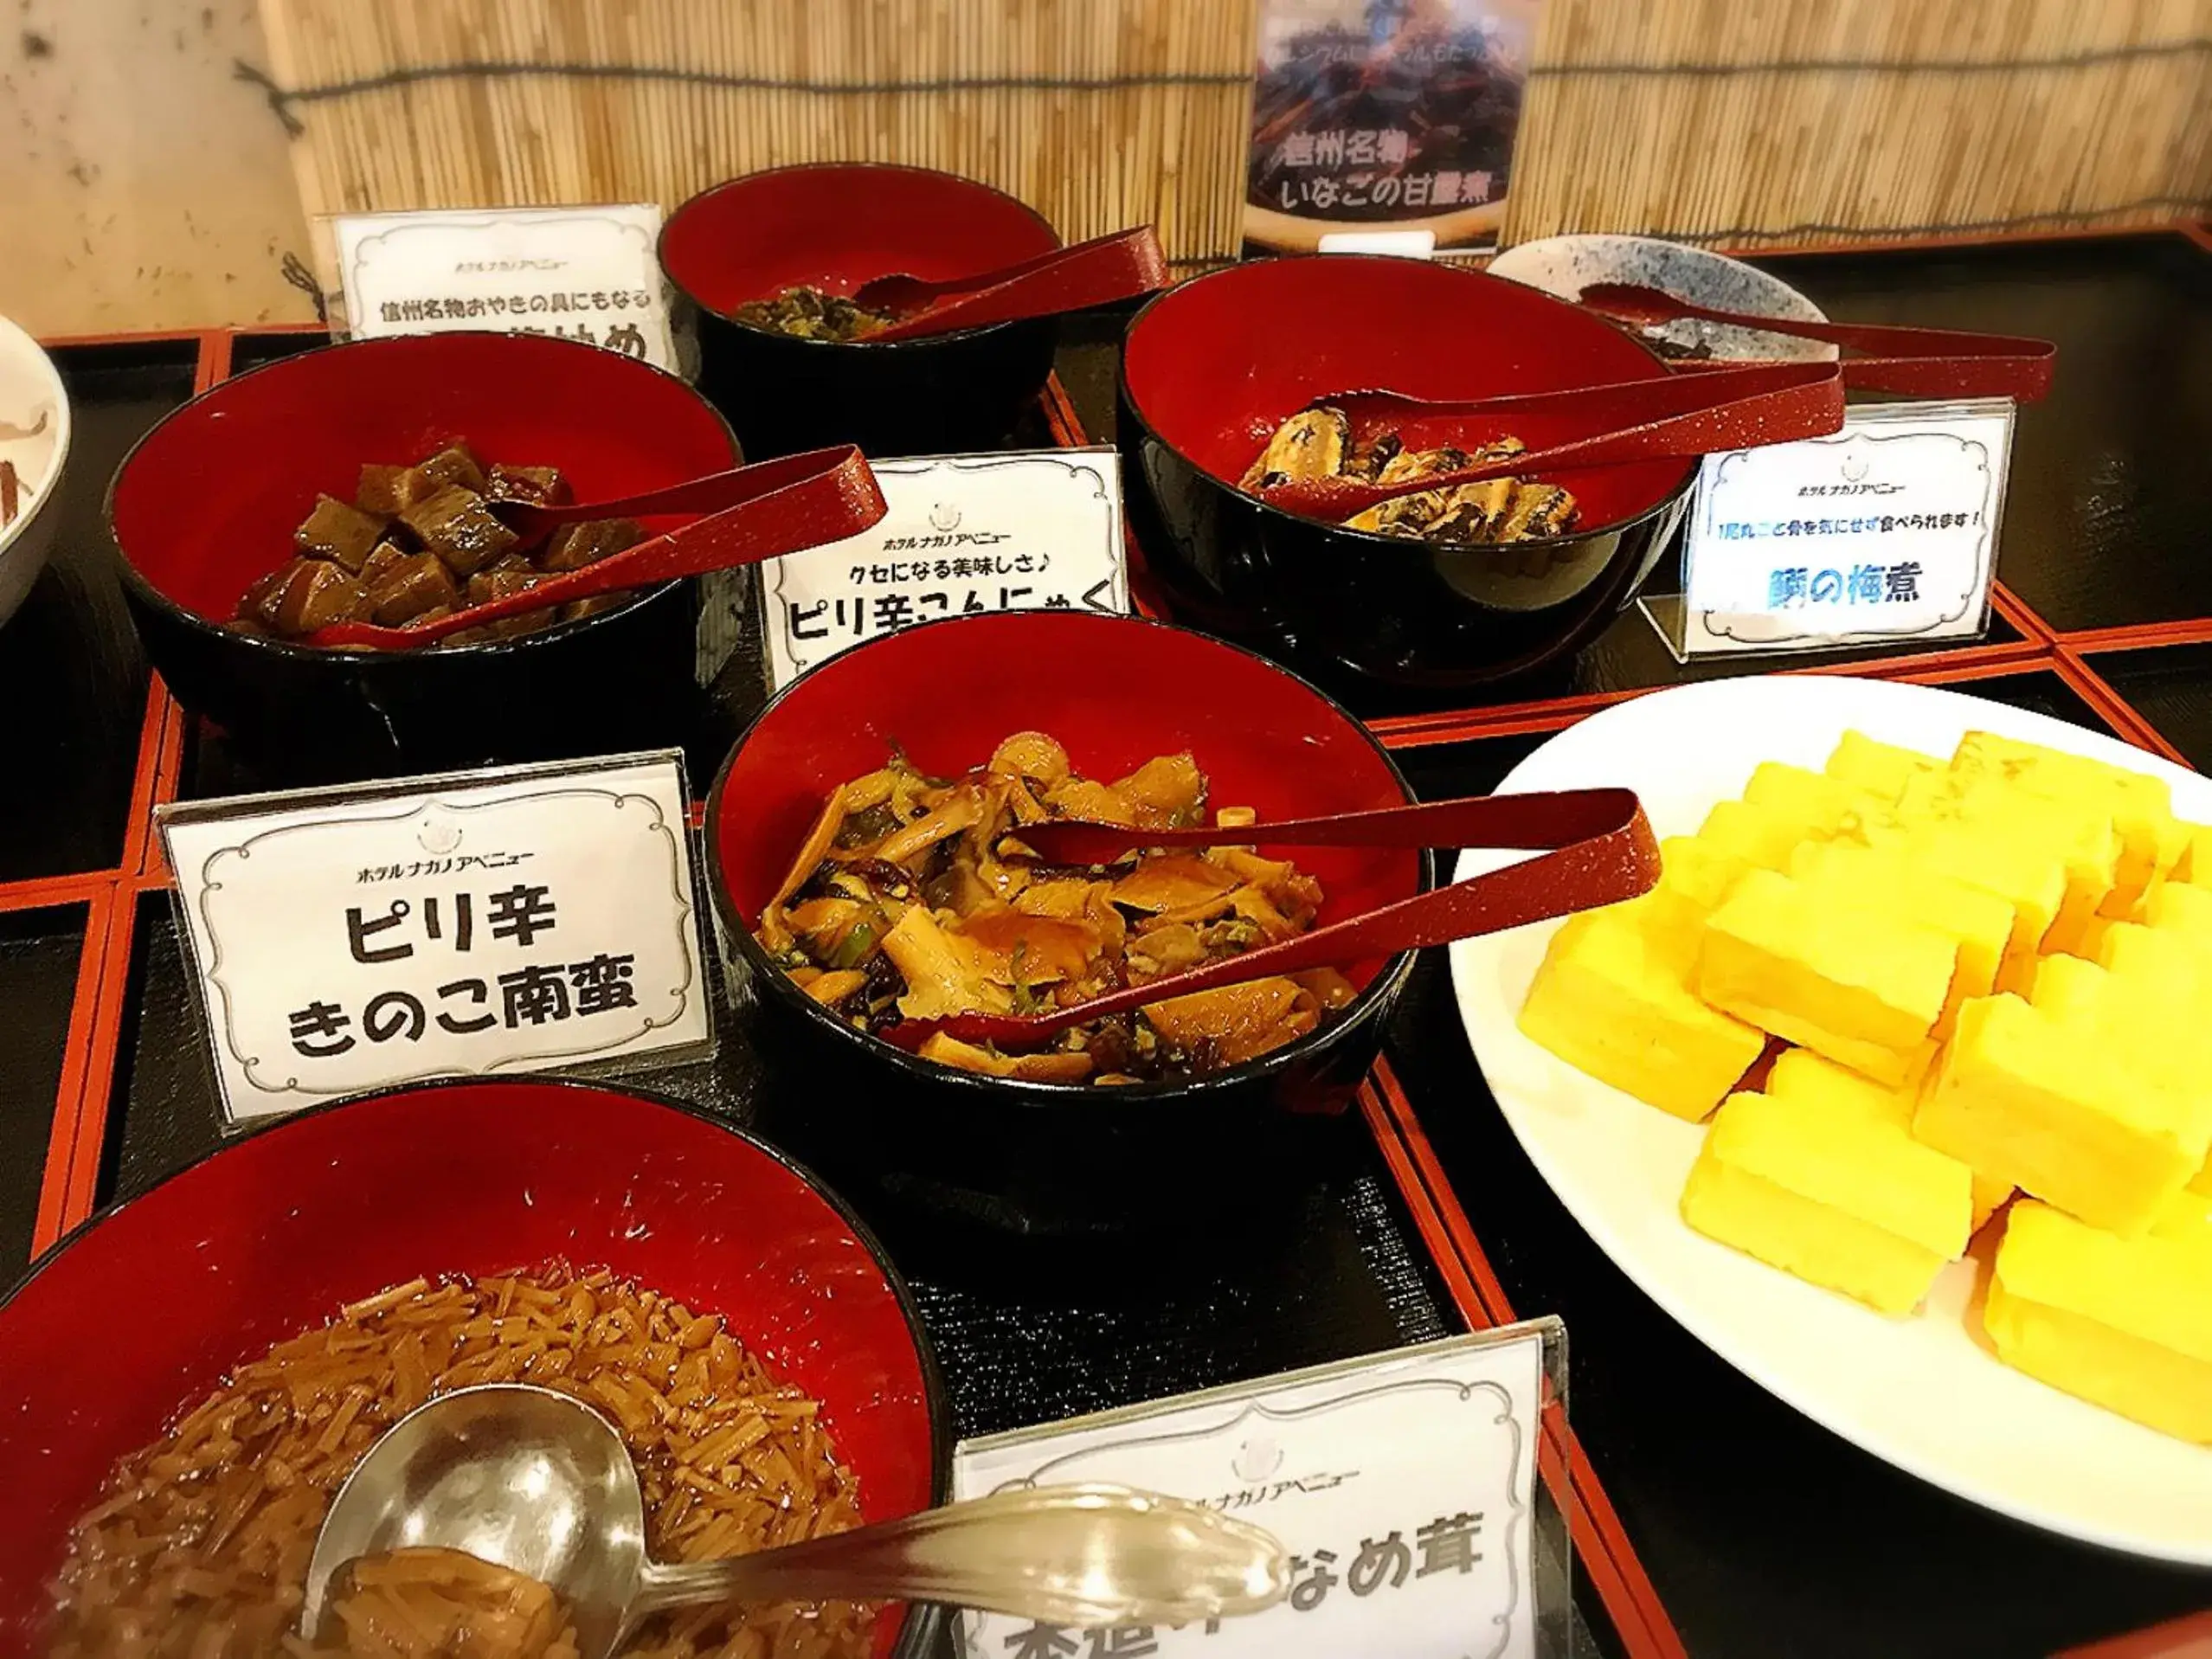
(811, 314)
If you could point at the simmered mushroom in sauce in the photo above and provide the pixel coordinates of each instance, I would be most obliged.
(914, 898)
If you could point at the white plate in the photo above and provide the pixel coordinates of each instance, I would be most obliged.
(1565, 266)
(1918, 1392)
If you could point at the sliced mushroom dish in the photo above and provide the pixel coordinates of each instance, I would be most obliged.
(914, 898)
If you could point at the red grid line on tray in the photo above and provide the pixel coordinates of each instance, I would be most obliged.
(2111, 708)
(1629, 1598)
(2188, 1638)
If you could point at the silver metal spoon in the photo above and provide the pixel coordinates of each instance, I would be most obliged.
(541, 1484)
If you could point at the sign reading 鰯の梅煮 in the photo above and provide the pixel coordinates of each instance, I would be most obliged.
(1884, 532)
(358, 938)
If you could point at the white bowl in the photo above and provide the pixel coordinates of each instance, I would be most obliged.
(34, 436)
(1565, 266)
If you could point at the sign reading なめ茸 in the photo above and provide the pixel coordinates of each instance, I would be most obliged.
(358, 938)
(585, 274)
(1403, 1485)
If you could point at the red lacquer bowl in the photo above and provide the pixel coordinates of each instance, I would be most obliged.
(141, 1312)
(1212, 368)
(833, 226)
(208, 499)
(1115, 691)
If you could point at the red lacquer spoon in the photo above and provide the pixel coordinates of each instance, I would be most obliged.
(1920, 362)
(1605, 852)
(1096, 273)
(754, 513)
(1669, 416)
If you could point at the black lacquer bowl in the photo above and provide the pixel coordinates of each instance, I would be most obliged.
(1115, 691)
(1212, 368)
(834, 226)
(208, 499)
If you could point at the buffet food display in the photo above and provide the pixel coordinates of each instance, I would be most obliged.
(1935, 1018)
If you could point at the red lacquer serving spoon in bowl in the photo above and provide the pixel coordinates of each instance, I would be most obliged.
(1123, 265)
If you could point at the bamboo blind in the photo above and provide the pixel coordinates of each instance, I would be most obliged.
(1736, 121)
(1814, 120)
(1100, 114)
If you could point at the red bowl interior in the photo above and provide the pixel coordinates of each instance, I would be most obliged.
(141, 1314)
(838, 225)
(209, 500)
(1217, 365)
(1114, 690)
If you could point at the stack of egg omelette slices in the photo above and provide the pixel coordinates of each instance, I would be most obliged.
(1915, 1001)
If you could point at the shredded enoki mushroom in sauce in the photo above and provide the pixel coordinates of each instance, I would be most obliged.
(912, 897)
(198, 1548)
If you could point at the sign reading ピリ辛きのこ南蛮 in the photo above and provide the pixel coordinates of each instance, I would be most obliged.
(355, 939)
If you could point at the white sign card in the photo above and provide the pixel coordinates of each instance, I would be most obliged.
(1406, 244)
(1885, 531)
(1404, 1484)
(358, 938)
(1027, 530)
(587, 274)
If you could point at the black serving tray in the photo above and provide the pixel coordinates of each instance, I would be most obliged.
(1707, 1517)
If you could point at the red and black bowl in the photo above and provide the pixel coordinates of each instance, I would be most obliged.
(1115, 691)
(138, 1314)
(1211, 369)
(208, 499)
(834, 226)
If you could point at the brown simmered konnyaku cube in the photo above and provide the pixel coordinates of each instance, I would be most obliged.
(335, 532)
(385, 558)
(484, 584)
(457, 527)
(421, 583)
(260, 601)
(382, 488)
(455, 464)
(316, 594)
(542, 485)
(573, 546)
(499, 584)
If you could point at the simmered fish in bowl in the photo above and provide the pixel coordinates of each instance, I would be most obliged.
(1321, 442)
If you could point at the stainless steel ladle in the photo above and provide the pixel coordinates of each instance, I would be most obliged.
(541, 1484)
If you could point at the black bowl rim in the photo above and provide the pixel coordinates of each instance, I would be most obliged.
(922, 1619)
(1369, 1005)
(1364, 537)
(145, 590)
(922, 342)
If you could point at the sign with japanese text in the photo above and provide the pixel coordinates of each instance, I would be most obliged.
(585, 274)
(1887, 531)
(964, 533)
(355, 939)
(1404, 1484)
(1379, 114)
